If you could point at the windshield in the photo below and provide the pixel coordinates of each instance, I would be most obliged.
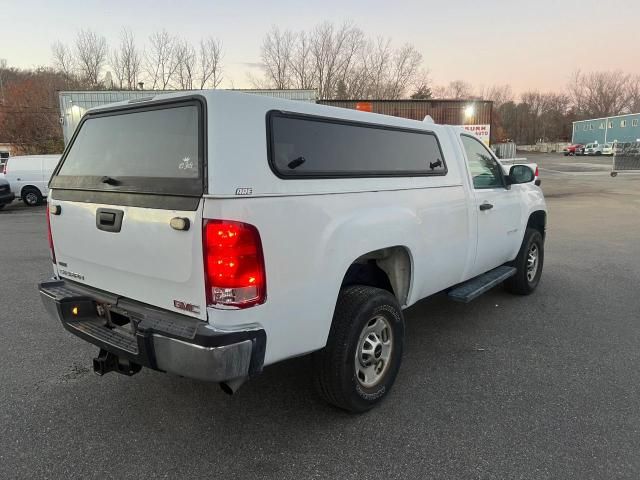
(155, 150)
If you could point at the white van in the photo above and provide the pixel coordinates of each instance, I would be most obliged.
(29, 176)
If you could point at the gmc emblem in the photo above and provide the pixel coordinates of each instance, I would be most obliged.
(188, 307)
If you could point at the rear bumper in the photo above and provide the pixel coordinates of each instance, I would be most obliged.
(154, 338)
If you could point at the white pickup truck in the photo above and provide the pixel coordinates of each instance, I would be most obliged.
(211, 234)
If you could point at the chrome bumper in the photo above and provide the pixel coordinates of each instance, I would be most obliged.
(155, 338)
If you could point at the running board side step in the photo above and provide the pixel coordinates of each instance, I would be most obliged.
(472, 289)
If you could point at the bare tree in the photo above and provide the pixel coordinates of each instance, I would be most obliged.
(334, 52)
(126, 61)
(210, 59)
(406, 64)
(600, 94)
(498, 94)
(3, 67)
(63, 58)
(276, 55)
(439, 91)
(160, 59)
(91, 55)
(339, 62)
(301, 64)
(185, 58)
(258, 82)
(633, 94)
(370, 80)
(422, 86)
(459, 90)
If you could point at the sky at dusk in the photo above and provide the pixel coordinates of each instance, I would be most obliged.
(529, 45)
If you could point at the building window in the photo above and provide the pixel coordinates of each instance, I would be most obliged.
(610, 124)
(634, 122)
(591, 126)
(601, 126)
(623, 123)
(585, 127)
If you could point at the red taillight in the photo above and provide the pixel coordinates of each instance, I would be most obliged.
(234, 264)
(53, 253)
(536, 174)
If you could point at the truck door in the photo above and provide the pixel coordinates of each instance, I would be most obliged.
(497, 208)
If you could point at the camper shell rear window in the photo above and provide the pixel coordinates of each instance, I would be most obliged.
(157, 149)
(307, 146)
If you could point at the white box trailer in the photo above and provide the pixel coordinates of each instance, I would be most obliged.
(73, 104)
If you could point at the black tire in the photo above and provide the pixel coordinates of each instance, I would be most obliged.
(31, 196)
(598, 154)
(2, 205)
(520, 283)
(336, 378)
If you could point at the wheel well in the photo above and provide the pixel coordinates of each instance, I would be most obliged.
(26, 188)
(387, 268)
(538, 220)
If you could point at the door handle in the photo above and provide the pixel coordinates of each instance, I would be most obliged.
(486, 206)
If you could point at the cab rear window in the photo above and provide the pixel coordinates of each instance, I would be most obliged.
(147, 150)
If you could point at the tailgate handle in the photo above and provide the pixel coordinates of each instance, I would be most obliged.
(109, 220)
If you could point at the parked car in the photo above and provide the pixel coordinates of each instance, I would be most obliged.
(607, 149)
(574, 149)
(593, 149)
(182, 241)
(29, 176)
(6, 195)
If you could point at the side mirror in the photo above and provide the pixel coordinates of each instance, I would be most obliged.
(520, 174)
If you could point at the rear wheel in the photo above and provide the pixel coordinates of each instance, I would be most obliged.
(528, 263)
(359, 364)
(31, 196)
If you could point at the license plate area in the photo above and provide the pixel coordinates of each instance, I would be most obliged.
(116, 319)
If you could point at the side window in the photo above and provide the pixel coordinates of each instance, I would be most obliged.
(485, 171)
(306, 146)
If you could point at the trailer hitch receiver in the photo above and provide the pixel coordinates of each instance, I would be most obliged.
(107, 362)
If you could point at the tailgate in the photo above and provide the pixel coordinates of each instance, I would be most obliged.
(129, 190)
(147, 260)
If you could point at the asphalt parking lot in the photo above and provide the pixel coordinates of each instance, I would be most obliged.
(545, 386)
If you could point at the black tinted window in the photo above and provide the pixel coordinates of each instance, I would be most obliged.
(145, 150)
(303, 146)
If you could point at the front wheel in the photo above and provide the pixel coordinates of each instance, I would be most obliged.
(359, 364)
(528, 264)
(32, 197)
